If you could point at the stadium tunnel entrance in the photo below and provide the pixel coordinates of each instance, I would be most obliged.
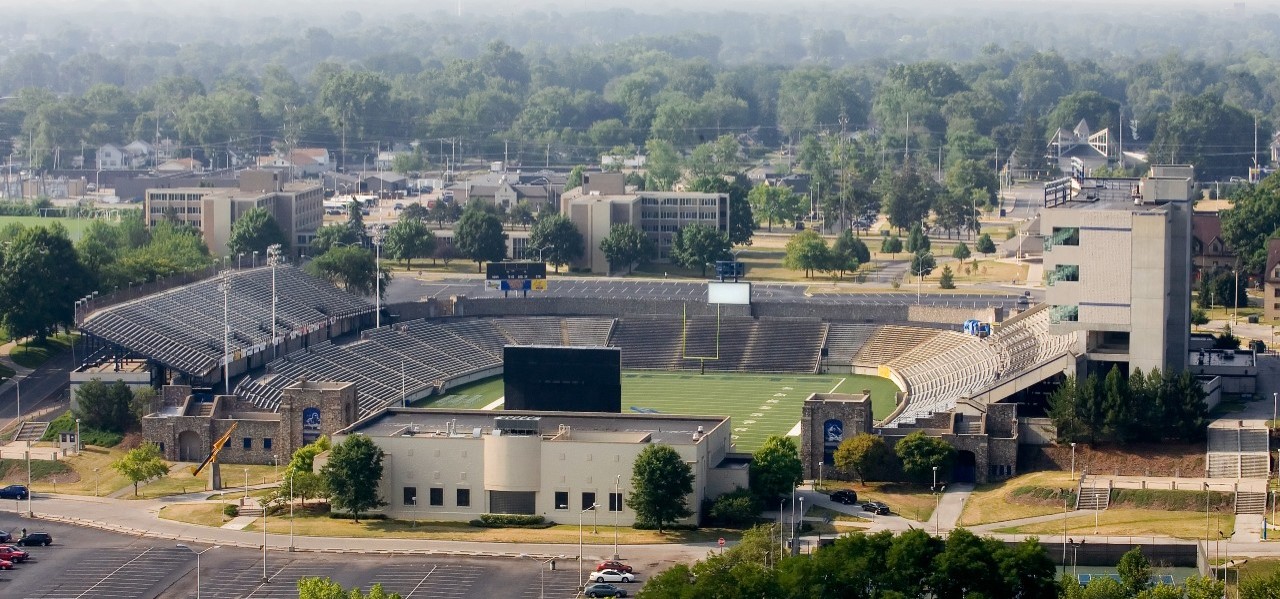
(966, 468)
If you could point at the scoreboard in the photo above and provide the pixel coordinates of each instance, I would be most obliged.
(516, 276)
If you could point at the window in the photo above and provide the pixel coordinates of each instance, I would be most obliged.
(562, 500)
(248, 443)
(437, 496)
(464, 498)
(1062, 236)
(266, 442)
(588, 499)
(615, 502)
(411, 495)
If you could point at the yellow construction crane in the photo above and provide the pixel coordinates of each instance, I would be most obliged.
(213, 452)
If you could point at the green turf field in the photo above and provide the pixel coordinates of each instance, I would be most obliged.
(760, 404)
(75, 226)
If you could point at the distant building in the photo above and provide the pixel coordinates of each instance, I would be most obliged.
(454, 465)
(602, 201)
(1209, 253)
(180, 165)
(1271, 283)
(1092, 149)
(136, 155)
(297, 207)
(1117, 264)
(301, 162)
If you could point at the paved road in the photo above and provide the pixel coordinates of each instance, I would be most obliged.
(37, 386)
(410, 289)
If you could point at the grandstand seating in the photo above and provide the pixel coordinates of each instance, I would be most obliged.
(950, 366)
(891, 341)
(844, 340)
(648, 343)
(428, 351)
(183, 327)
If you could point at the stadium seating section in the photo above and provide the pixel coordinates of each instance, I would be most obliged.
(183, 327)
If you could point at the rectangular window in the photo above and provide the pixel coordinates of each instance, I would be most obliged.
(411, 496)
(1062, 236)
(615, 502)
(588, 499)
(1059, 314)
(464, 498)
(248, 443)
(266, 442)
(562, 500)
(437, 496)
(1062, 272)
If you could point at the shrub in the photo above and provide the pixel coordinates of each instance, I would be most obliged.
(665, 527)
(66, 423)
(231, 510)
(350, 516)
(736, 509)
(501, 520)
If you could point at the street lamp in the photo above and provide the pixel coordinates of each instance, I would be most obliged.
(29, 512)
(275, 459)
(1075, 557)
(617, 509)
(291, 475)
(542, 572)
(377, 277)
(580, 516)
(1073, 461)
(226, 331)
(273, 259)
(819, 474)
(77, 436)
(198, 554)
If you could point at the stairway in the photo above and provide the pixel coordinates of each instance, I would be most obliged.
(1093, 498)
(251, 510)
(206, 409)
(31, 431)
(1251, 502)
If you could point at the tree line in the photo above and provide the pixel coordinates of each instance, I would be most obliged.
(1116, 409)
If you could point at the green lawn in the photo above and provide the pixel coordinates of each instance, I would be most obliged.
(75, 226)
(32, 355)
(760, 404)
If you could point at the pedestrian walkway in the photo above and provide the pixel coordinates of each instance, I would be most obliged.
(241, 522)
(950, 504)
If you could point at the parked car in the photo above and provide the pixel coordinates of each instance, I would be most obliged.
(876, 507)
(612, 576)
(5, 537)
(845, 496)
(398, 206)
(13, 554)
(13, 492)
(614, 565)
(603, 590)
(6, 564)
(36, 538)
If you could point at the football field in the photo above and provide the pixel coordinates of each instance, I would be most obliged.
(759, 404)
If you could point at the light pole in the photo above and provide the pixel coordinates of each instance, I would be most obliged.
(77, 436)
(273, 258)
(377, 278)
(1275, 404)
(226, 331)
(29, 512)
(17, 381)
(254, 262)
(275, 459)
(938, 502)
(795, 544)
(1073, 461)
(617, 509)
(198, 554)
(95, 482)
(265, 508)
(542, 573)
(291, 475)
(580, 516)
(819, 475)
(1075, 558)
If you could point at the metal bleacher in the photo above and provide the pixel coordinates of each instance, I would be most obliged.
(183, 327)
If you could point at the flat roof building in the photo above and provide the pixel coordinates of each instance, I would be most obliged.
(1117, 265)
(458, 464)
(297, 207)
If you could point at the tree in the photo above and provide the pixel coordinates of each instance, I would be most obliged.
(920, 453)
(40, 279)
(324, 588)
(1134, 571)
(104, 407)
(1253, 218)
(775, 468)
(1196, 130)
(947, 280)
(891, 245)
(917, 241)
(848, 253)
(352, 475)
(409, 239)
(141, 403)
(961, 252)
(807, 251)
(625, 245)
(255, 231)
(520, 214)
(445, 252)
(741, 218)
(416, 211)
(660, 483)
(908, 196)
(575, 178)
(353, 268)
(864, 456)
(922, 263)
(328, 236)
(560, 241)
(141, 463)
(697, 245)
(775, 202)
(479, 236)
(985, 245)
(307, 485)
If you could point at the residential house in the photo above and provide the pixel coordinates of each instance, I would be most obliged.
(1209, 253)
(180, 165)
(136, 155)
(301, 162)
(383, 183)
(1271, 283)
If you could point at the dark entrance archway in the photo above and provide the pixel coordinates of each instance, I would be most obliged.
(966, 470)
(190, 449)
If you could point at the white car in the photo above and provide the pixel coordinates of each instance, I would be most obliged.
(611, 576)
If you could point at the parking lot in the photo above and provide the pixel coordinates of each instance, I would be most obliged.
(86, 563)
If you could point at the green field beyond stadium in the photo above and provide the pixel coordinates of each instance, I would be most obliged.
(759, 404)
(75, 226)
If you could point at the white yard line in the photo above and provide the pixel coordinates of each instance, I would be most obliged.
(833, 389)
(495, 403)
(795, 430)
